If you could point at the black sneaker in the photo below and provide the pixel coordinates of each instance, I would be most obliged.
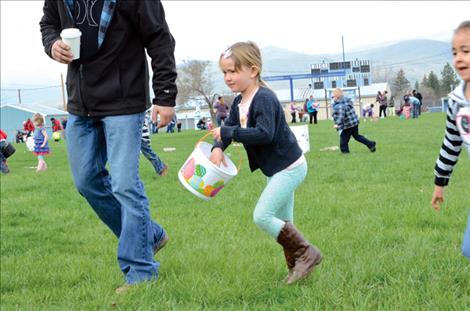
(372, 149)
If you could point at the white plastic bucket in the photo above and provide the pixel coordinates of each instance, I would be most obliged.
(202, 177)
(301, 134)
(30, 143)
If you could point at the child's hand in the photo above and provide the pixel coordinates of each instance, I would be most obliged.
(217, 157)
(336, 126)
(216, 134)
(437, 198)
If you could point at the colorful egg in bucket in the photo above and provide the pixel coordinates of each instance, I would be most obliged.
(202, 177)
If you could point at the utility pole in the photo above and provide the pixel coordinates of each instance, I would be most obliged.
(326, 104)
(64, 103)
(19, 96)
(342, 43)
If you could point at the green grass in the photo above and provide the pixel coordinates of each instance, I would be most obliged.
(384, 246)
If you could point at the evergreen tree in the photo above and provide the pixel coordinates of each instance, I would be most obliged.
(416, 85)
(400, 83)
(433, 83)
(424, 82)
(449, 79)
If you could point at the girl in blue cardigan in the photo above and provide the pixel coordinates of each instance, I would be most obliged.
(257, 121)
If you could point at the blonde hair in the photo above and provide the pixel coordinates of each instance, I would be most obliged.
(38, 119)
(338, 93)
(463, 25)
(245, 54)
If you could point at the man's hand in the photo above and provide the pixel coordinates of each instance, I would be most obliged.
(166, 114)
(61, 52)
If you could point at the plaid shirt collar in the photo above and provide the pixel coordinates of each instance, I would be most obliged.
(106, 16)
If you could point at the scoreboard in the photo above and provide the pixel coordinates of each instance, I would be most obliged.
(353, 73)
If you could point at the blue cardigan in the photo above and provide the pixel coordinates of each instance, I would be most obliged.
(270, 144)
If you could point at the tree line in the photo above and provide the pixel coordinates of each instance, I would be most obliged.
(431, 86)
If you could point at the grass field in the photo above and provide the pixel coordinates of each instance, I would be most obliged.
(384, 246)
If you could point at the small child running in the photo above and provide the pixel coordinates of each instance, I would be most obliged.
(146, 148)
(257, 120)
(347, 122)
(41, 146)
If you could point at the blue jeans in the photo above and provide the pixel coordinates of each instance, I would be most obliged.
(148, 152)
(415, 112)
(118, 199)
(220, 120)
(276, 204)
(466, 240)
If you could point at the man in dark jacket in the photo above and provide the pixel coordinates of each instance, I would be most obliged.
(420, 98)
(108, 93)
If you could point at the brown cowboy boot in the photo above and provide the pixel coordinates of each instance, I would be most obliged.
(290, 265)
(290, 261)
(306, 256)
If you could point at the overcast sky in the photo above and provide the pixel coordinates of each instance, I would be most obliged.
(203, 29)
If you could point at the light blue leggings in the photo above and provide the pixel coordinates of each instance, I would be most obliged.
(466, 240)
(276, 204)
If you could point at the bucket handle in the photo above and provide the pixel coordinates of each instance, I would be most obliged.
(209, 133)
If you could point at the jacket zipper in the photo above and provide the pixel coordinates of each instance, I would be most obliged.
(80, 81)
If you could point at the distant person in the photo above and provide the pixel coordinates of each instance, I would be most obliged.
(171, 126)
(178, 126)
(367, 111)
(391, 106)
(301, 113)
(312, 108)
(28, 127)
(3, 159)
(63, 121)
(414, 104)
(406, 109)
(347, 122)
(221, 110)
(56, 129)
(382, 101)
(56, 126)
(160, 167)
(272, 147)
(420, 98)
(41, 146)
(201, 124)
(455, 137)
(293, 111)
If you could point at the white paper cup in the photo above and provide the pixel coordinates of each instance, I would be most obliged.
(71, 37)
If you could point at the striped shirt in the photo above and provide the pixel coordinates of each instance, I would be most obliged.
(145, 130)
(452, 144)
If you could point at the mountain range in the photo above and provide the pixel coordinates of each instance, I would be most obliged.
(416, 57)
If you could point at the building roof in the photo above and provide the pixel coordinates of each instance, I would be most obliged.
(34, 108)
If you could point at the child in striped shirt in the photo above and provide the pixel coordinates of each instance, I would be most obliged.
(146, 148)
(457, 127)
